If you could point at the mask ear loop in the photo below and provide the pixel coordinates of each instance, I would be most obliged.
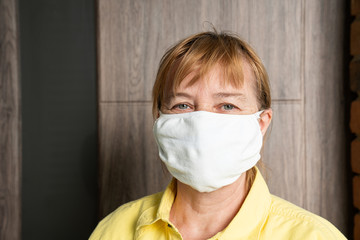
(257, 114)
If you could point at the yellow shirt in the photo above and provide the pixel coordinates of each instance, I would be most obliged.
(262, 216)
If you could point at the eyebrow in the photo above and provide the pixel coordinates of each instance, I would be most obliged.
(227, 95)
(181, 94)
(215, 95)
(178, 94)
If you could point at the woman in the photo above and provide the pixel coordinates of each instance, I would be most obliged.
(212, 105)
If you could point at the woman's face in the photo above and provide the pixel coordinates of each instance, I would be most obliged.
(210, 93)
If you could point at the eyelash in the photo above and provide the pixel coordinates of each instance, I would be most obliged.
(177, 106)
(232, 106)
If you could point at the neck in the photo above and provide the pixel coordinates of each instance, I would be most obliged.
(201, 215)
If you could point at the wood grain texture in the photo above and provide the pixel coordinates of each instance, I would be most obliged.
(130, 167)
(327, 190)
(284, 153)
(276, 32)
(10, 131)
(133, 35)
(355, 37)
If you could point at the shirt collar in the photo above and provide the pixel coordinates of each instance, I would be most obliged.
(167, 201)
(247, 222)
(151, 215)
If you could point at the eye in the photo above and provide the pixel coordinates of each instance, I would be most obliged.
(228, 107)
(181, 106)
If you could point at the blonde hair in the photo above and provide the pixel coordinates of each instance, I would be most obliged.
(201, 52)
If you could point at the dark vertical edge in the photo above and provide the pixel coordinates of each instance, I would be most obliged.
(59, 146)
(349, 96)
(10, 122)
(98, 68)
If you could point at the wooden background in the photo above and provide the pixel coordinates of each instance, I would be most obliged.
(10, 130)
(301, 44)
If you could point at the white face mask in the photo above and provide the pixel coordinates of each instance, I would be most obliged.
(208, 150)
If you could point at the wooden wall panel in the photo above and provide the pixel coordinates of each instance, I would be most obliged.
(276, 33)
(326, 165)
(134, 34)
(130, 167)
(10, 130)
(284, 153)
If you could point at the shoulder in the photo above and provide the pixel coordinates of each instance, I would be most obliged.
(122, 221)
(294, 222)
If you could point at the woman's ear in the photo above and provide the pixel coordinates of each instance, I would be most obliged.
(265, 120)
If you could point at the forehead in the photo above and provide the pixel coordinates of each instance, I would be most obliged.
(218, 78)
